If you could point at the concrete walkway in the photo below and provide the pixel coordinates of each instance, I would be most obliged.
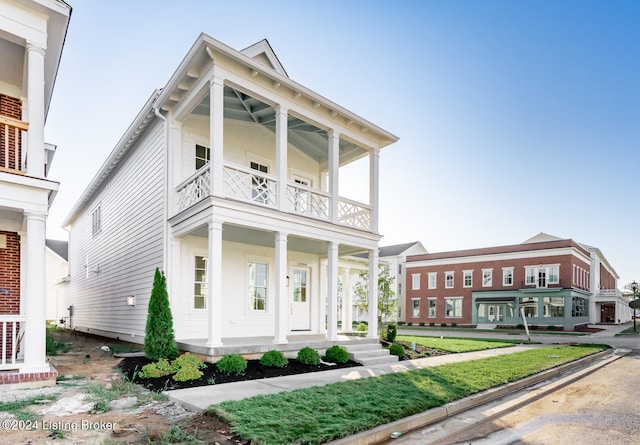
(202, 397)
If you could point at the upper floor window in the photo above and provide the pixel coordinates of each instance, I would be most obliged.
(203, 156)
(487, 277)
(415, 281)
(554, 274)
(96, 220)
(467, 278)
(541, 276)
(399, 269)
(507, 276)
(448, 280)
(433, 280)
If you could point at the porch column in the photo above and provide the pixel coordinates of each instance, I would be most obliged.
(373, 294)
(282, 297)
(334, 166)
(374, 179)
(332, 292)
(214, 281)
(347, 309)
(281, 157)
(35, 91)
(35, 359)
(216, 125)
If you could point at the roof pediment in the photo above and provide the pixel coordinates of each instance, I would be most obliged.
(263, 53)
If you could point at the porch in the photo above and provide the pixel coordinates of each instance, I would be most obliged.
(255, 347)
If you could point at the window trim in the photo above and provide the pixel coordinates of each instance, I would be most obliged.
(249, 299)
(446, 279)
(415, 281)
(466, 273)
(433, 275)
(435, 307)
(413, 307)
(506, 270)
(485, 273)
(204, 283)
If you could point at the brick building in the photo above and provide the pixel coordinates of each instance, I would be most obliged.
(555, 282)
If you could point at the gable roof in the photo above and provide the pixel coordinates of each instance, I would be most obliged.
(396, 249)
(60, 248)
(541, 238)
(263, 53)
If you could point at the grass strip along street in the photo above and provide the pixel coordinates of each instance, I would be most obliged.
(455, 345)
(319, 414)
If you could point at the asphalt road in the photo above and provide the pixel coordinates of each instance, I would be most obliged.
(600, 408)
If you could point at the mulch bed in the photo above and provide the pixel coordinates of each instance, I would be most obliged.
(131, 366)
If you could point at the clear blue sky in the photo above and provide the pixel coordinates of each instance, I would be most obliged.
(514, 117)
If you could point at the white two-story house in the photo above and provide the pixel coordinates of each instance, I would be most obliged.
(228, 181)
(32, 35)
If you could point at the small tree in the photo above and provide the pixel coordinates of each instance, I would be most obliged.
(159, 339)
(387, 303)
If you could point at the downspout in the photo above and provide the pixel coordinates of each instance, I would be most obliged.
(165, 234)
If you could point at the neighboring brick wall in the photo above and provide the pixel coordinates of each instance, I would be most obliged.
(11, 107)
(10, 280)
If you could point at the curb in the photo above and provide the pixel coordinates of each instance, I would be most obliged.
(383, 433)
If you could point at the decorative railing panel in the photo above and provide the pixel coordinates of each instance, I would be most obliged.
(10, 326)
(194, 189)
(308, 201)
(354, 214)
(11, 143)
(250, 185)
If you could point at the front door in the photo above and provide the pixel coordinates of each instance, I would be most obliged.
(300, 300)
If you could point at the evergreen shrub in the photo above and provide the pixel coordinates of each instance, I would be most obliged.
(308, 356)
(274, 359)
(337, 354)
(397, 349)
(159, 339)
(232, 364)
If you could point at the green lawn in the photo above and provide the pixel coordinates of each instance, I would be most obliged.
(319, 414)
(451, 344)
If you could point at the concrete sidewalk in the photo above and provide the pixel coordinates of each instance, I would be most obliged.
(200, 398)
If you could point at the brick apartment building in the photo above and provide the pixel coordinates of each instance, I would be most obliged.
(557, 282)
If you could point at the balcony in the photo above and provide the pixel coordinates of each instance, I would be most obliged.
(261, 189)
(11, 144)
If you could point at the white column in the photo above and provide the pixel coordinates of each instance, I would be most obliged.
(334, 166)
(35, 91)
(216, 125)
(332, 292)
(374, 180)
(282, 296)
(322, 310)
(23, 285)
(214, 277)
(35, 359)
(373, 294)
(347, 309)
(281, 157)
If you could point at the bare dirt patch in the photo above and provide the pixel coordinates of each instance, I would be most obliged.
(83, 407)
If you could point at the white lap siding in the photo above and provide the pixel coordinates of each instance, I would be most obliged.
(120, 261)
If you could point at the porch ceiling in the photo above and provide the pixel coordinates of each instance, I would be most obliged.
(308, 138)
(248, 235)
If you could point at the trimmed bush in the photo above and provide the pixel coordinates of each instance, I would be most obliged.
(392, 331)
(274, 359)
(337, 354)
(432, 324)
(453, 325)
(308, 356)
(362, 327)
(157, 369)
(232, 364)
(186, 360)
(159, 339)
(421, 323)
(186, 373)
(409, 324)
(397, 349)
(443, 325)
(401, 323)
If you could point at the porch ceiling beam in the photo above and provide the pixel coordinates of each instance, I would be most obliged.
(246, 107)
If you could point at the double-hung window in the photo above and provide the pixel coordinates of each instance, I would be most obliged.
(96, 220)
(203, 156)
(448, 280)
(258, 281)
(415, 308)
(200, 283)
(487, 277)
(432, 307)
(453, 307)
(507, 276)
(433, 280)
(467, 278)
(415, 281)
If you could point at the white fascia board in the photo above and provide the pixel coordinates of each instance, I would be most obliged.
(603, 260)
(506, 256)
(24, 23)
(126, 142)
(204, 40)
(26, 193)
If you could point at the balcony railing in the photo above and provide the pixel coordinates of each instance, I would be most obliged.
(10, 326)
(11, 144)
(260, 188)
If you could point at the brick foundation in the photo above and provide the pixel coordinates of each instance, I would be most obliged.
(17, 380)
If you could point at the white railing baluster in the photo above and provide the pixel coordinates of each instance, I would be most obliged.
(11, 321)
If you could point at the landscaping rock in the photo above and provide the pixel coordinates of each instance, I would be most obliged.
(68, 406)
(124, 403)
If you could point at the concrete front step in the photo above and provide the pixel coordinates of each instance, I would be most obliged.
(371, 354)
